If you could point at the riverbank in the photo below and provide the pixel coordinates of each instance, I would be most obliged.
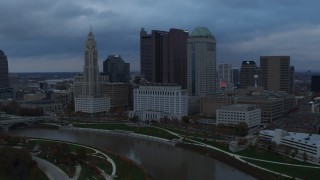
(155, 157)
(244, 167)
(270, 167)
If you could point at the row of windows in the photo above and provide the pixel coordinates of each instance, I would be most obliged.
(157, 93)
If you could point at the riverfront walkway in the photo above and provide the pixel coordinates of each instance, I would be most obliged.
(239, 157)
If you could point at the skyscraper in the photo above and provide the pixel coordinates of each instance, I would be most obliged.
(88, 87)
(163, 56)
(225, 75)
(116, 69)
(315, 83)
(247, 72)
(201, 69)
(4, 77)
(236, 77)
(276, 73)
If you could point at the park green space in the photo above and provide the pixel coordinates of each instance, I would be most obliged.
(145, 130)
(294, 171)
(126, 169)
(258, 153)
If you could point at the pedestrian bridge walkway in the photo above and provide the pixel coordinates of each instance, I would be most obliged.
(28, 121)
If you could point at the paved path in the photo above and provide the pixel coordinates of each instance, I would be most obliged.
(52, 171)
(77, 174)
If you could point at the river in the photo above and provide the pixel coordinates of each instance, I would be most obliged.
(162, 161)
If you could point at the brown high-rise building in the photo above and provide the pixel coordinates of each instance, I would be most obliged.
(4, 75)
(276, 73)
(163, 56)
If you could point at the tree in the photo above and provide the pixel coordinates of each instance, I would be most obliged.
(65, 149)
(134, 118)
(221, 128)
(185, 119)
(15, 163)
(242, 141)
(195, 118)
(164, 120)
(242, 129)
(82, 153)
(305, 156)
(272, 146)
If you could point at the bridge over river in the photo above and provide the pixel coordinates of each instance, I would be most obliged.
(6, 123)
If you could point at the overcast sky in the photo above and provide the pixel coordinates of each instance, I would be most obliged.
(49, 35)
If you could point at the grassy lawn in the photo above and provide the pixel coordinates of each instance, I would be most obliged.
(151, 131)
(86, 173)
(271, 156)
(102, 164)
(126, 170)
(298, 172)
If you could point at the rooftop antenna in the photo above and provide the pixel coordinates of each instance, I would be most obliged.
(255, 80)
(90, 28)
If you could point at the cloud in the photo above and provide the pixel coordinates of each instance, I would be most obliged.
(301, 44)
(41, 30)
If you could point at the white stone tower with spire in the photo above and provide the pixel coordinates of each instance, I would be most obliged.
(88, 86)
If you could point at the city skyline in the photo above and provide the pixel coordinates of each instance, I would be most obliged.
(48, 36)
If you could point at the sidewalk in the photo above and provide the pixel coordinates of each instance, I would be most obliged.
(52, 171)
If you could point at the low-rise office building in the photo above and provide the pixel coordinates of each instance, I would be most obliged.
(304, 143)
(210, 104)
(153, 102)
(236, 113)
(273, 105)
(118, 94)
(92, 104)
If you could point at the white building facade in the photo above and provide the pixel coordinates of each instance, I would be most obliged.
(304, 143)
(201, 62)
(88, 87)
(236, 113)
(153, 102)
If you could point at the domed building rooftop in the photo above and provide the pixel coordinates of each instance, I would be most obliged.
(201, 32)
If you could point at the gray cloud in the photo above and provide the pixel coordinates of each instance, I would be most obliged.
(46, 35)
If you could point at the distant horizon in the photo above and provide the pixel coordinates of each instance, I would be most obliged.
(130, 71)
(56, 30)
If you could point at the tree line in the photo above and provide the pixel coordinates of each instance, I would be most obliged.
(15, 109)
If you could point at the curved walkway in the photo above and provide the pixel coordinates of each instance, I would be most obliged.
(52, 171)
(78, 170)
(238, 157)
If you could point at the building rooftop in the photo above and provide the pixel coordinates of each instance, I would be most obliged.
(239, 107)
(201, 32)
(304, 138)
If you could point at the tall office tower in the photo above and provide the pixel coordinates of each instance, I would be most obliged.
(201, 71)
(4, 75)
(225, 75)
(163, 56)
(247, 72)
(145, 55)
(276, 73)
(315, 83)
(88, 87)
(236, 77)
(116, 69)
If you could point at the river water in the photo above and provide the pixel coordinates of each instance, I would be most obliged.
(162, 161)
